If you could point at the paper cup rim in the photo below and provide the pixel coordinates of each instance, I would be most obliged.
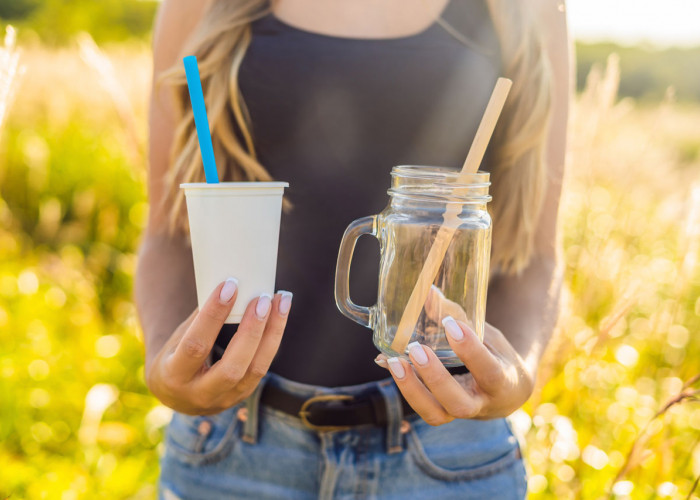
(224, 185)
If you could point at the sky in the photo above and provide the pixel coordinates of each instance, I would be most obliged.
(658, 22)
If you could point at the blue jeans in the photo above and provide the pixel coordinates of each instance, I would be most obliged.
(272, 455)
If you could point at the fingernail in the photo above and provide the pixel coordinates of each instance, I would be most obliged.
(418, 353)
(285, 302)
(452, 328)
(396, 367)
(227, 291)
(380, 361)
(263, 306)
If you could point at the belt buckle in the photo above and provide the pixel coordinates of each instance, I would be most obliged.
(304, 413)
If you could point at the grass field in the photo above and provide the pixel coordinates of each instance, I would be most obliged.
(615, 414)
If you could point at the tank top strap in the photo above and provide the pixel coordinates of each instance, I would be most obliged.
(469, 21)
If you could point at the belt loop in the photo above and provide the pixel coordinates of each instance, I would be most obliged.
(252, 405)
(394, 416)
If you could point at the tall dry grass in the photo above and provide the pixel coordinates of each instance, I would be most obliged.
(615, 414)
(9, 70)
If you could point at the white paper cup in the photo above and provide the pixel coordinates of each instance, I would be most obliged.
(234, 228)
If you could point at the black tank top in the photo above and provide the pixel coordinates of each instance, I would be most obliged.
(332, 116)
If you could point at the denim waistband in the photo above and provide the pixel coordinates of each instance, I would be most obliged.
(308, 390)
(386, 387)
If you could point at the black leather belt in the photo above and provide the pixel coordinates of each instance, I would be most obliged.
(330, 412)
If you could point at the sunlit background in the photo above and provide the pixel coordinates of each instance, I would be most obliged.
(630, 22)
(616, 413)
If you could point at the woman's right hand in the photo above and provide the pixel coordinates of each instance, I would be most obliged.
(179, 374)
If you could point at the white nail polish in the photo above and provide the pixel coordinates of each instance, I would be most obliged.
(285, 302)
(452, 328)
(418, 353)
(227, 291)
(381, 362)
(263, 306)
(396, 367)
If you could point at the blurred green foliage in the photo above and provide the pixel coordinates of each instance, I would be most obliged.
(72, 207)
(57, 21)
(13, 10)
(646, 72)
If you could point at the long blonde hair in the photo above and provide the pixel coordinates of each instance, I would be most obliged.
(518, 171)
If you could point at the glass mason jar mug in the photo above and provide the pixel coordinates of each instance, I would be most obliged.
(424, 201)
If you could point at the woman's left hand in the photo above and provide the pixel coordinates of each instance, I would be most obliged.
(497, 384)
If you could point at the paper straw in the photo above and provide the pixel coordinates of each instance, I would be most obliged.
(194, 84)
(450, 219)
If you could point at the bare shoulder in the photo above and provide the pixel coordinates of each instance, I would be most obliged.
(551, 22)
(551, 18)
(175, 23)
(554, 9)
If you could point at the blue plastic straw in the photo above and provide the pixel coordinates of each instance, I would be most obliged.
(194, 84)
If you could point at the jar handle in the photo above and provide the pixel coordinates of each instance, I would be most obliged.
(360, 314)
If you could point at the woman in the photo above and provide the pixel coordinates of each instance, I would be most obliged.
(329, 95)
